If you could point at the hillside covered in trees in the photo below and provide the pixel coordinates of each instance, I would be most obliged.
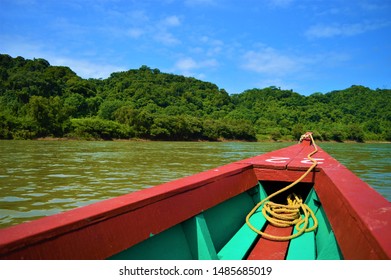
(40, 100)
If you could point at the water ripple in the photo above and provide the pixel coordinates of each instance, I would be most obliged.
(40, 178)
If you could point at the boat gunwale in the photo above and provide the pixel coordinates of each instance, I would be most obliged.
(359, 211)
(34, 232)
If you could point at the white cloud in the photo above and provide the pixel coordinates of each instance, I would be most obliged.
(328, 31)
(135, 32)
(166, 38)
(269, 61)
(161, 31)
(171, 21)
(287, 70)
(188, 64)
(85, 68)
(212, 46)
(138, 16)
(370, 7)
(16, 46)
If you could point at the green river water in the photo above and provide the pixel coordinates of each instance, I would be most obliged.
(40, 178)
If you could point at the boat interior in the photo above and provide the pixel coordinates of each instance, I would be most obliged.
(221, 232)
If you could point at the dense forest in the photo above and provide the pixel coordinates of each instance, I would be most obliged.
(39, 100)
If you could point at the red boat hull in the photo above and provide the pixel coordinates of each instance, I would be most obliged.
(359, 216)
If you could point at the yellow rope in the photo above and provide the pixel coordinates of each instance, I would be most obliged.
(285, 215)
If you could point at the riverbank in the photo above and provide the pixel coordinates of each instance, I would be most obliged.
(219, 140)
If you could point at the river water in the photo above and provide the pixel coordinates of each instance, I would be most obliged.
(40, 178)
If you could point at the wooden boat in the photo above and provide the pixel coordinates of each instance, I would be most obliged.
(210, 215)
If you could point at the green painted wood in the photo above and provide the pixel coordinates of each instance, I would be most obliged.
(225, 219)
(312, 201)
(332, 251)
(170, 244)
(320, 244)
(242, 241)
(304, 246)
(326, 244)
(323, 231)
(199, 239)
(257, 193)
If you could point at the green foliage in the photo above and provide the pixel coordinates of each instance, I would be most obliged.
(96, 128)
(107, 109)
(39, 100)
(47, 115)
(181, 127)
(76, 105)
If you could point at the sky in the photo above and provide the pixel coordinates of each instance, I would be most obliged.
(305, 45)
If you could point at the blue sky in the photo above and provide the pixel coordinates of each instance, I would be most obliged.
(305, 45)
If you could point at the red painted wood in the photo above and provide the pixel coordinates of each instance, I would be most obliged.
(278, 159)
(301, 161)
(360, 217)
(271, 250)
(100, 230)
(289, 176)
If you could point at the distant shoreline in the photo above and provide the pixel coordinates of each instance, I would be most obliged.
(218, 141)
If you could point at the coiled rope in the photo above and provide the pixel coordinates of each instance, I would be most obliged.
(285, 215)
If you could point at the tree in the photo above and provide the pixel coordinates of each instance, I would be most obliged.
(37, 99)
(107, 109)
(76, 105)
(39, 112)
(95, 128)
(355, 133)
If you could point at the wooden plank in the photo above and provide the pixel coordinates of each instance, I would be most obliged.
(278, 159)
(170, 244)
(266, 249)
(326, 245)
(205, 247)
(302, 247)
(359, 216)
(239, 245)
(331, 251)
(289, 176)
(225, 219)
(75, 234)
(301, 161)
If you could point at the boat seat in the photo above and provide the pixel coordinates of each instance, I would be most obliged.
(266, 249)
(299, 248)
(247, 244)
(302, 247)
(240, 244)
